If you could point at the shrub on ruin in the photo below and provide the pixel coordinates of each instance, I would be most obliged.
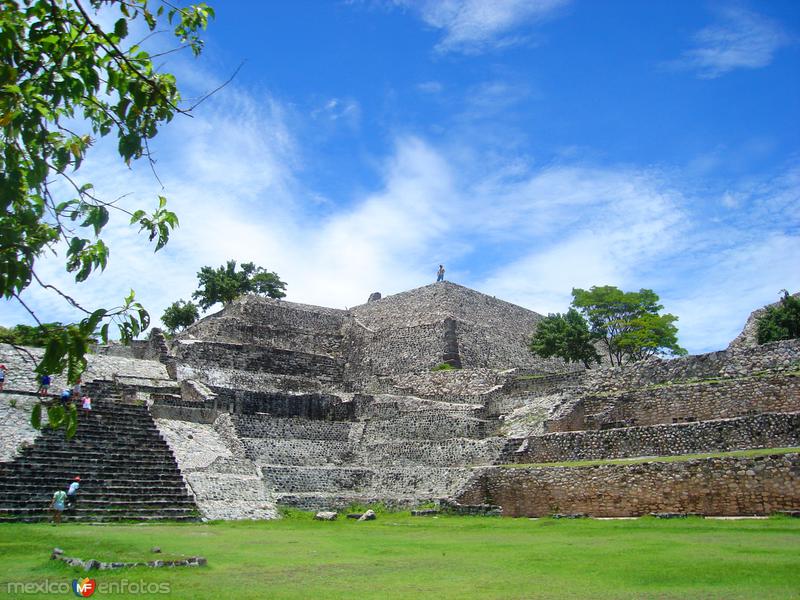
(224, 284)
(627, 325)
(179, 315)
(565, 336)
(781, 321)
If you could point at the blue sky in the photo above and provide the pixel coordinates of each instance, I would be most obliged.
(531, 146)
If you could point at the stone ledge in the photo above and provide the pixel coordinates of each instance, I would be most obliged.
(92, 564)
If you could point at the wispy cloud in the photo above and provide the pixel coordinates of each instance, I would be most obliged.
(337, 109)
(474, 26)
(741, 39)
(430, 87)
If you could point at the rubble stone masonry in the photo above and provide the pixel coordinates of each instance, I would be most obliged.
(714, 486)
(759, 431)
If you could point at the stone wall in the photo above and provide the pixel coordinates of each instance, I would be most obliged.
(280, 404)
(731, 363)
(21, 365)
(760, 431)
(15, 424)
(257, 312)
(714, 486)
(257, 359)
(447, 386)
(683, 403)
(225, 483)
(400, 350)
(152, 348)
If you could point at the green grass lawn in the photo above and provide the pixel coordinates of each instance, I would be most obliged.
(398, 556)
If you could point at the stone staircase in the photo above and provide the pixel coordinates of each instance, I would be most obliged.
(127, 470)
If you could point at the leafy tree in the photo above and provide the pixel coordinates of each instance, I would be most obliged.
(781, 322)
(179, 315)
(27, 335)
(65, 80)
(628, 324)
(224, 284)
(566, 336)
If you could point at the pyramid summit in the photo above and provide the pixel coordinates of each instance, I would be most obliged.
(410, 331)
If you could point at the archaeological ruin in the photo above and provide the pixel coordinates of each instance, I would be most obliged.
(427, 397)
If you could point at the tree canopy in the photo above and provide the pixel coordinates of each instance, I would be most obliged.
(179, 315)
(65, 81)
(626, 324)
(780, 322)
(566, 336)
(37, 336)
(224, 284)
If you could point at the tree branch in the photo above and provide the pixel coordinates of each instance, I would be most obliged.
(118, 55)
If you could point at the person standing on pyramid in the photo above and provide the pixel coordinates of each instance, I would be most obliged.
(440, 273)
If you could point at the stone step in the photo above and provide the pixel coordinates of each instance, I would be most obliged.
(108, 518)
(56, 480)
(101, 437)
(157, 511)
(88, 504)
(113, 455)
(99, 486)
(86, 495)
(25, 465)
(123, 463)
(104, 438)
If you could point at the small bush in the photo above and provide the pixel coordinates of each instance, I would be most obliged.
(12, 403)
(781, 322)
(443, 367)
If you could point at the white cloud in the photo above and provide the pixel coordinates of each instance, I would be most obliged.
(472, 26)
(732, 283)
(526, 234)
(740, 40)
(583, 227)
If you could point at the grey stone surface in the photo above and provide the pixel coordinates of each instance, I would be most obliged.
(326, 515)
(225, 483)
(15, 424)
(780, 430)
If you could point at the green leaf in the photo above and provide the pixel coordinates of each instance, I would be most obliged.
(56, 416)
(121, 28)
(36, 416)
(71, 421)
